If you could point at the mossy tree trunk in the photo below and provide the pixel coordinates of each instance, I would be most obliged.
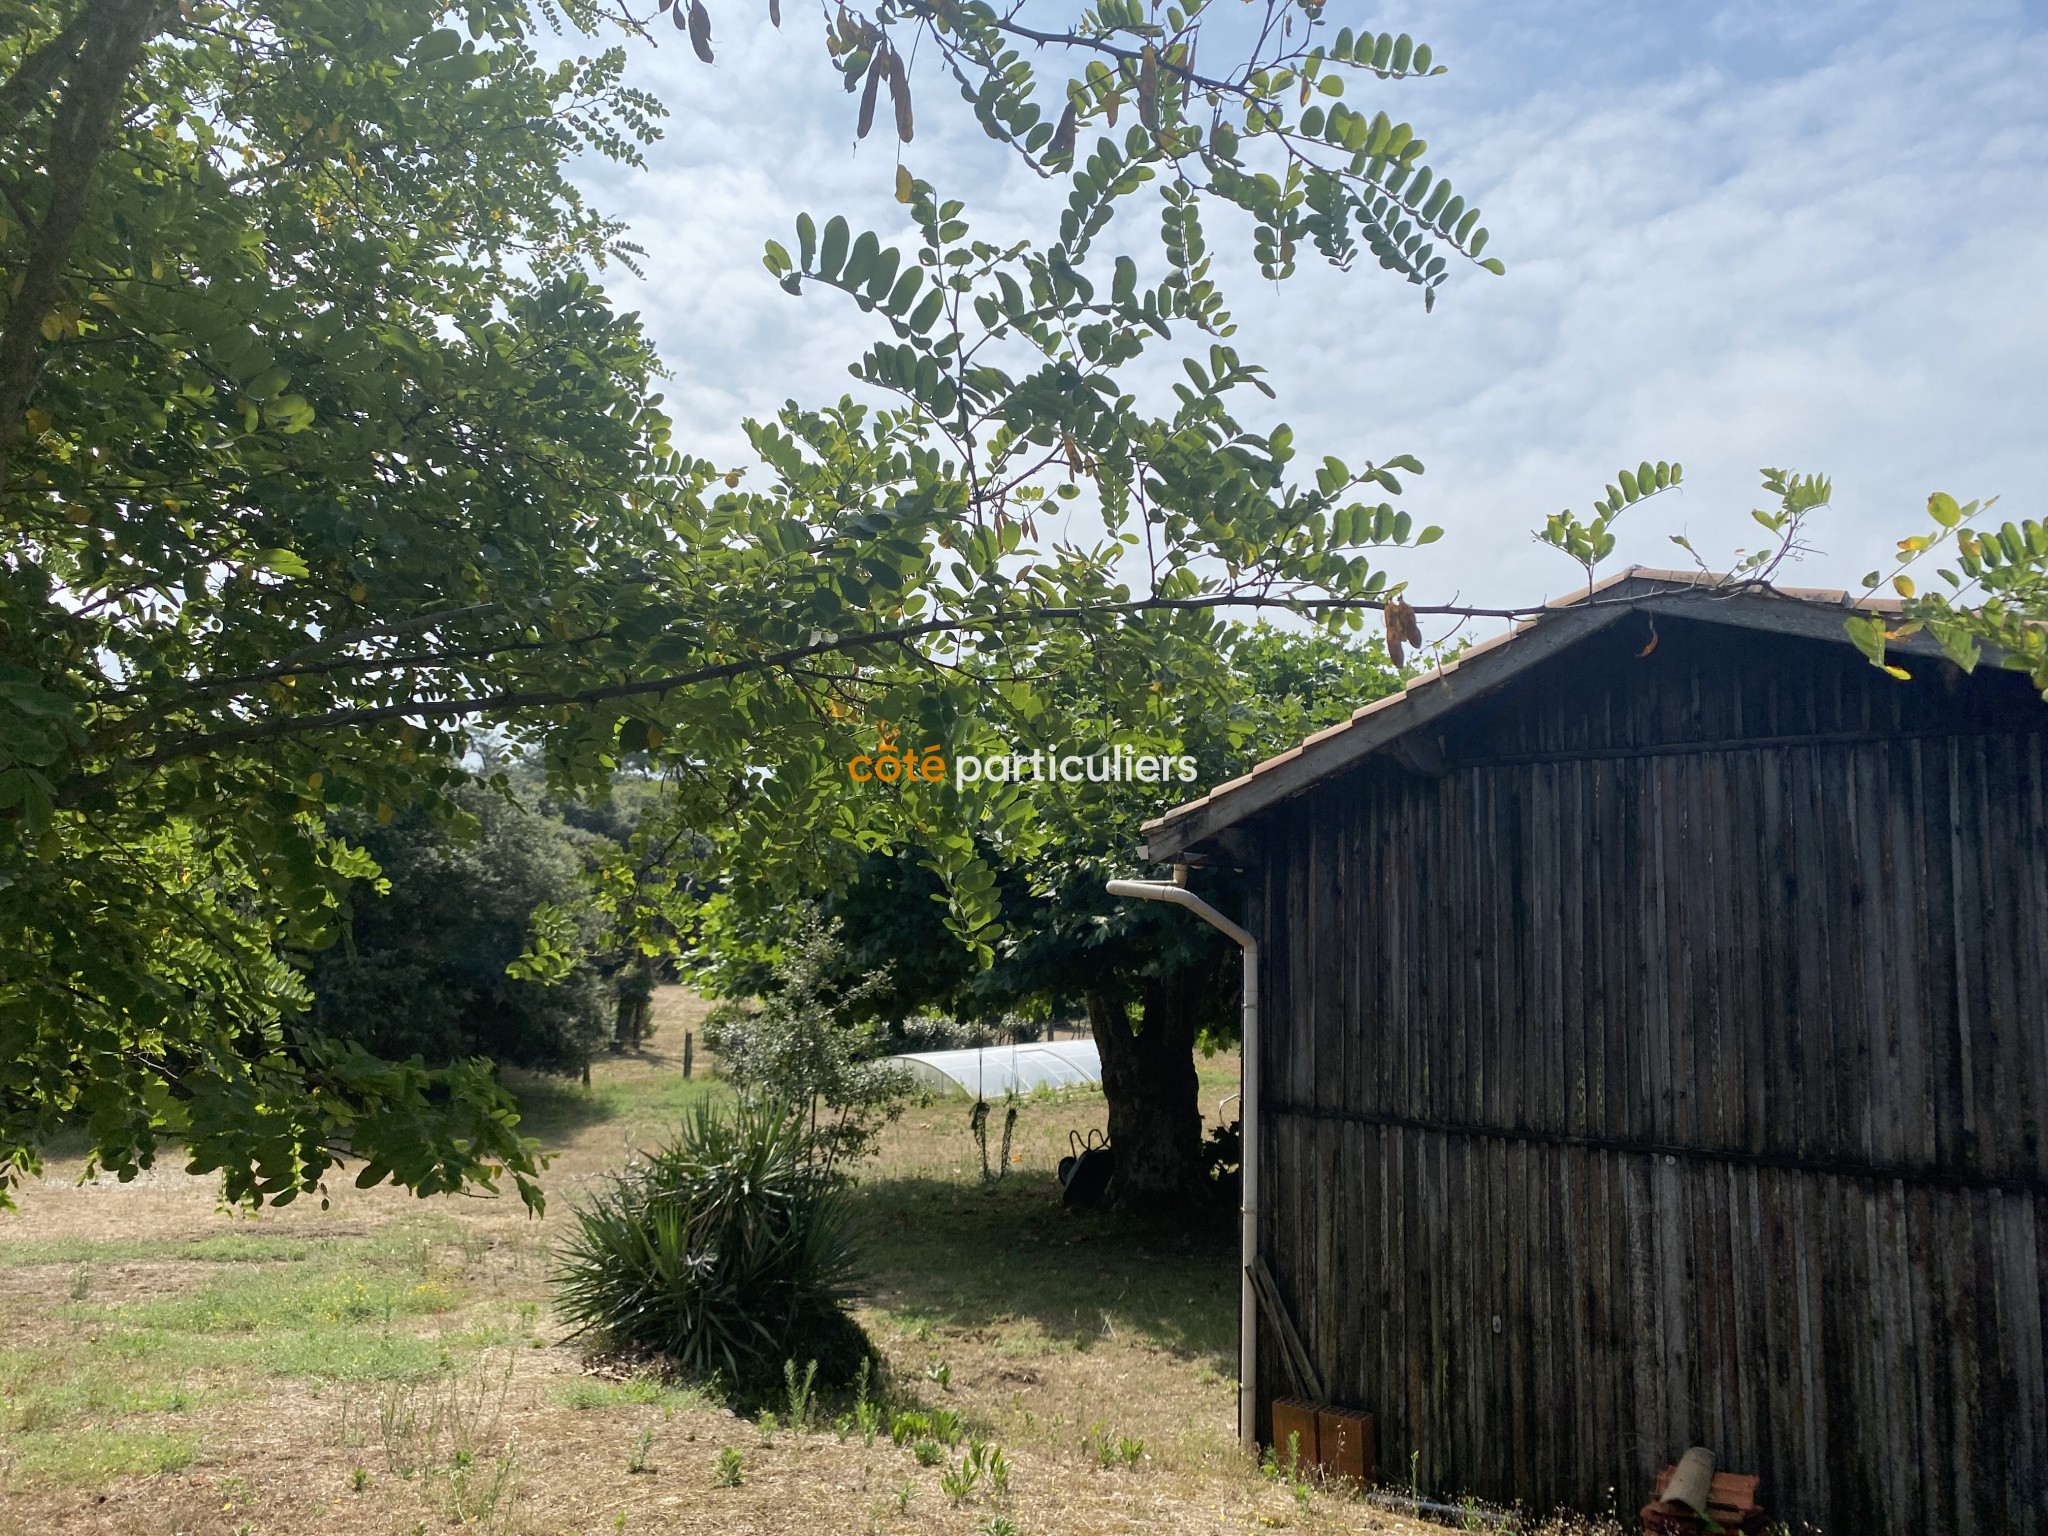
(1148, 1079)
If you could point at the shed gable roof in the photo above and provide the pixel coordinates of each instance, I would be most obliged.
(1810, 613)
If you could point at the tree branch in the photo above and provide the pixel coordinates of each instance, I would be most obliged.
(935, 13)
(509, 701)
(39, 73)
(117, 30)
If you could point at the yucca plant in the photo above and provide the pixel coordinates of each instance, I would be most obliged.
(724, 1253)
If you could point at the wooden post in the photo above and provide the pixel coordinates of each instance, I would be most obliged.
(689, 1041)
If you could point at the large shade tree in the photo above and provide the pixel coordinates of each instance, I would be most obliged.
(322, 447)
(1153, 983)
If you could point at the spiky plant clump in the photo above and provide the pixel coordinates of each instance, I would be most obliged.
(725, 1253)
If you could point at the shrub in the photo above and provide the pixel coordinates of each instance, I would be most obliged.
(804, 1046)
(725, 1253)
(423, 967)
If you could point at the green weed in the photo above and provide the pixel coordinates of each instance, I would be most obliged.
(45, 1389)
(472, 1494)
(1291, 1472)
(867, 1414)
(799, 1393)
(984, 1469)
(86, 1457)
(1114, 1450)
(639, 1391)
(447, 1419)
(731, 1468)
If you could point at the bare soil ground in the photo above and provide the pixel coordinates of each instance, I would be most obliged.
(391, 1365)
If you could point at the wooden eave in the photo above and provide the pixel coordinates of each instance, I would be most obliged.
(1391, 724)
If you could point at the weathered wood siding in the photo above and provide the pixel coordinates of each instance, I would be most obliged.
(1674, 1070)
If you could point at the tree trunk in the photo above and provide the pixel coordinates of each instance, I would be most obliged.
(1148, 1078)
(634, 991)
(101, 54)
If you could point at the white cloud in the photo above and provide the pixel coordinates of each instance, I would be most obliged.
(1739, 235)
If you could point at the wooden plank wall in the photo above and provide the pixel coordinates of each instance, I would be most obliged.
(1675, 1071)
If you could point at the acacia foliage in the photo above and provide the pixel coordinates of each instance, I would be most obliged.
(324, 378)
(321, 445)
(1228, 699)
(1991, 601)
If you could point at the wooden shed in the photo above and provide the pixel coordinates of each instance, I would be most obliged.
(1655, 1052)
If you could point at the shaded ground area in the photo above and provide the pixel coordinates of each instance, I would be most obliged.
(392, 1366)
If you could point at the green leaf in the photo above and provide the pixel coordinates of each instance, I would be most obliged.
(860, 265)
(927, 311)
(1867, 634)
(883, 275)
(833, 254)
(905, 292)
(283, 561)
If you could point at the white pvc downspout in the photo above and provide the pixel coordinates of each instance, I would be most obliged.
(1248, 1242)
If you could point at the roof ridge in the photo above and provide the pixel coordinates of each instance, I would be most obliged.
(1489, 664)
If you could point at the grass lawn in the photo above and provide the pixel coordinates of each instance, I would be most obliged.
(391, 1365)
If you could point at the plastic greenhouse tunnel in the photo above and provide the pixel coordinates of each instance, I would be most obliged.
(989, 1072)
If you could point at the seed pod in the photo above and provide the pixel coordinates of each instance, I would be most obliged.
(1401, 628)
(1063, 136)
(867, 99)
(700, 30)
(899, 93)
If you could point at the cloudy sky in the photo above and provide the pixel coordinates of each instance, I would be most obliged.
(1812, 235)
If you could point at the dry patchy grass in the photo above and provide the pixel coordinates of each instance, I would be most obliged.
(391, 1366)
